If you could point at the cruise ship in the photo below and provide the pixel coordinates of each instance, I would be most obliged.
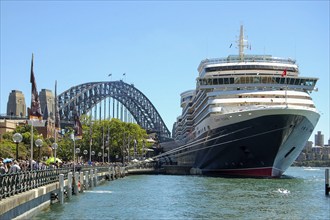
(250, 115)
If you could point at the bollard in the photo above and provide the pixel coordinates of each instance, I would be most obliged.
(69, 185)
(109, 173)
(75, 183)
(61, 194)
(122, 172)
(91, 176)
(112, 173)
(327, 187)
(95, 178)
(86, 180)
(81, 181)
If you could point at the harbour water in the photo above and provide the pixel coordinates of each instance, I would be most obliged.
(298, 195)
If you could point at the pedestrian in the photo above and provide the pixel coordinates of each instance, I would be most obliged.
(2, 168)
(15, 168)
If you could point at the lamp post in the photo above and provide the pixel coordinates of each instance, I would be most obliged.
(102, 153)
(108, 154)
(17, 138)
(99, 154)
(74, 151)
(105, 155)
(39, 144)
(77, 152)
(90, 142)
(54, 146)
(92, 154)
(85, 152)
(103, 142)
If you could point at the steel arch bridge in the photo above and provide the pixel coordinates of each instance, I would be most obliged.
(82, 98)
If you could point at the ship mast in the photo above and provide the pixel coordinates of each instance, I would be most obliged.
(242, 43)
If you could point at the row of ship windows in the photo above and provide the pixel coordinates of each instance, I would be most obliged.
(250, 67)
(256, 80)
(272, 96)
(205, 112)
(273, 103)
(178, 133)
(263, 96)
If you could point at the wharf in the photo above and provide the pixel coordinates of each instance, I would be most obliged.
(137, 171)
(24, 194)
(164, 169)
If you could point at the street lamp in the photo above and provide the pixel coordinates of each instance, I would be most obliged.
(54, 146)
(108, 154)
(105, 155)
(102, 147)
(77, 152)
(92, 154)
(39, 144)
(85, 152)
(99, 154)
(17, 138)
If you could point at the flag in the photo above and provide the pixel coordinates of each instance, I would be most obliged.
(110, 74)
(124, 74)
(230, 45)
(35, 110)
(77, 127)
(284, 73)
(57, 114)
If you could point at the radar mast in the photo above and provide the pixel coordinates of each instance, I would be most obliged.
(242, 43)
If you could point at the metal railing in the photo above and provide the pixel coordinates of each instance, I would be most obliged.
(15, 183)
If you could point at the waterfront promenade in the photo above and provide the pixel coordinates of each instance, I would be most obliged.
(23, 194)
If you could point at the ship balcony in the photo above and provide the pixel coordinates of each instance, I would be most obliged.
(256, 82)
(233, 59)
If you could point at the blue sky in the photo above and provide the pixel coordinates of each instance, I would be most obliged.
(157, 44)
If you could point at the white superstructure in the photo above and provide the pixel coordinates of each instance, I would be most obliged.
(240, 86)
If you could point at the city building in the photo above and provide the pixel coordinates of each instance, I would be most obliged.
(8, 125)
(16, 106)
(47, 103)
(17, 114)
(318, 151)
(319, 139)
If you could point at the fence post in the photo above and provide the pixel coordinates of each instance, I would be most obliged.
(69, 185)
(61, 194)
(81, 181)
(86, 182)
(91, 176)
(95, 178)
(327, 187)
(75, 183)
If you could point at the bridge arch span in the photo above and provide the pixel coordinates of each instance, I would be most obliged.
(84, 97)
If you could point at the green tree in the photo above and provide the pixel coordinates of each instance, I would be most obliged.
(8, 147)
(119, 136)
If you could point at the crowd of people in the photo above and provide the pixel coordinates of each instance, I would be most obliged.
(8, 166)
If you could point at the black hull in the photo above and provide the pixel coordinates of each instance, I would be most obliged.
(265, 146)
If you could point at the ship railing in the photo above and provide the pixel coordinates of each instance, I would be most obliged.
(247, 107)
(248, 58)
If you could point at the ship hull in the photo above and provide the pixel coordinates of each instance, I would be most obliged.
(263, 146)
